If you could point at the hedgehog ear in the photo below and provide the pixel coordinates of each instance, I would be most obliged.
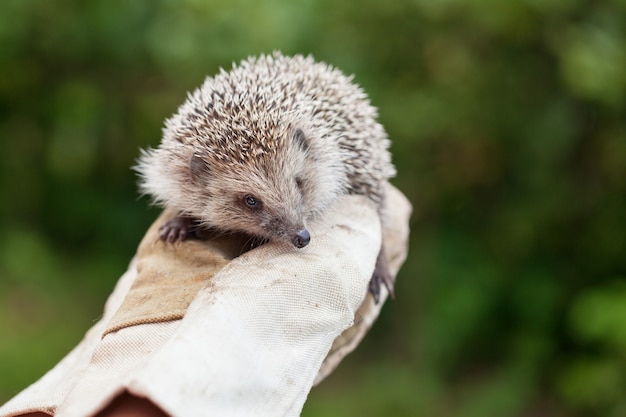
(300, 139)
(197, 167)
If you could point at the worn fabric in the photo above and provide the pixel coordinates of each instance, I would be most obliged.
(200, 333)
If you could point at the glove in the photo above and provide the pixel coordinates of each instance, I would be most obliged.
(200, 328)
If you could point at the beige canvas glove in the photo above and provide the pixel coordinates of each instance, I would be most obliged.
(200, 334)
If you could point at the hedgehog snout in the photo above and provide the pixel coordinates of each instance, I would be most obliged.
(301, 238)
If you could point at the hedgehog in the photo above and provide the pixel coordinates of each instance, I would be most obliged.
(265, 149)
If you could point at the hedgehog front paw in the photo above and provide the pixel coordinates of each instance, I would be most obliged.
(381, 276)
(177, 229)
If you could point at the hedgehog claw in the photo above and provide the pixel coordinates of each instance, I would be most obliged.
(381, 276)
(177, 229)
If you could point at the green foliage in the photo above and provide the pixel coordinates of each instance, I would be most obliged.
(508, 121)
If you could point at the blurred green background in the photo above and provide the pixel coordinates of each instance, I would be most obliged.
(508, 121)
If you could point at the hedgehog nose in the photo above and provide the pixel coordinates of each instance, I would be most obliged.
(301, 239)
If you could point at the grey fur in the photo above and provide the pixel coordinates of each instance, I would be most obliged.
(292, 133)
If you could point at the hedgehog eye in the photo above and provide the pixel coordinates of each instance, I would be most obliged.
(299, 182)
(251, 202)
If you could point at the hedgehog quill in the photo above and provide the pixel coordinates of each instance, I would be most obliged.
(265, 149)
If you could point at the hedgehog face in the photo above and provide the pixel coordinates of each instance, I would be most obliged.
(275, 198)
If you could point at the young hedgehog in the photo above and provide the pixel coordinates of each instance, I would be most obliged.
(266, 148)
